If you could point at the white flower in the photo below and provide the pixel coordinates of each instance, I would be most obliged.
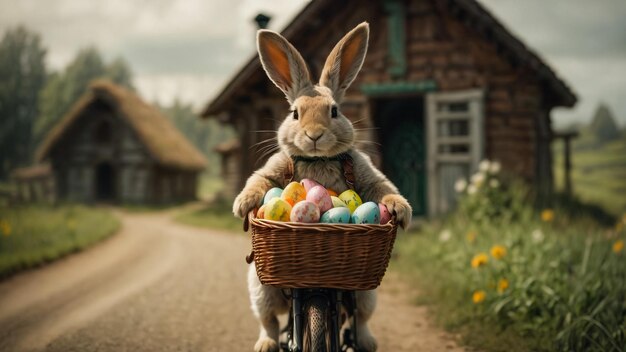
(460, 185)
(478, 179)
(537, 236)
(471, 189)
(494, 168)
(445, 235)
(494, 183)
(484, 165)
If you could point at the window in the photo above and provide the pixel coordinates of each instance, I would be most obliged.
(104, 133)
(455, 143)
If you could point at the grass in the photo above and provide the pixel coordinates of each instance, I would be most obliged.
(510, 278)
(598, 172)
(216, 215)
(209, 186)
(32, 235)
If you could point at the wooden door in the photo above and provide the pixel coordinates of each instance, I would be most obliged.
(403, 148)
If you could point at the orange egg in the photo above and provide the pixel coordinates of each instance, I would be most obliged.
(331, 192)
(261, 212)
(294, 193)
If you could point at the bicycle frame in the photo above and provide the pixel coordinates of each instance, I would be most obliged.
(336, 299)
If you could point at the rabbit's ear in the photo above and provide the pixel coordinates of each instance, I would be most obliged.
(345, 61)
(283, 64)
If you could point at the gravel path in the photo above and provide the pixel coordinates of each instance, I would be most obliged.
(162, 286)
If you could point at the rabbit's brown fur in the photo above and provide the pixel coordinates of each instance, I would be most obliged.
(311, 130)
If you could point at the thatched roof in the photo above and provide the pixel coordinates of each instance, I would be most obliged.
(166, 145)
(470, 11)
(31, 172)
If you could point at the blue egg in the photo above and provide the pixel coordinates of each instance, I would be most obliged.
(336, 216)
(272, 193)
(367, 213)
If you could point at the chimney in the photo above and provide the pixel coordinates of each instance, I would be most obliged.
(262, 20)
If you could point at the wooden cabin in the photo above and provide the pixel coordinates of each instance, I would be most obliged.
(112, 146)
(444, 85)
(230, 153)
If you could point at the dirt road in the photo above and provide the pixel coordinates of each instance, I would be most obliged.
(161, 286)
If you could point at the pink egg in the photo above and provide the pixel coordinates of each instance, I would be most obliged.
(308, 183)
(385, 215)
(319, 196)
(305, 211)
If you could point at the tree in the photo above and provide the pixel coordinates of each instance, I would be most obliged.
(203, 134)
(22, 76)
(64, 89)
(603, 126)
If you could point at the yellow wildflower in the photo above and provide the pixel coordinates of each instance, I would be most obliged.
(498, 252)
(5, 228)
(503, 284)
(618, 246)
(547, 215)
(479, 260)
(471, 236)
(479, 296)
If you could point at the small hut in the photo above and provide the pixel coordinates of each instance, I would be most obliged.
(112, 146)
(444, 85)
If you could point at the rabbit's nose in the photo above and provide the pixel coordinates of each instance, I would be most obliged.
(314, 138)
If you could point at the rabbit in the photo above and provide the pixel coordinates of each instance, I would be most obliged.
(315, 130)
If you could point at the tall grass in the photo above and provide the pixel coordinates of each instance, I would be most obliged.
(34, 234)
(513, 278)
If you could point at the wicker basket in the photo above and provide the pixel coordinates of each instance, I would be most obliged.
(342, 256)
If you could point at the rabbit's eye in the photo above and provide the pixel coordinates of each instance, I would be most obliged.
(295, 114)
(333, 111)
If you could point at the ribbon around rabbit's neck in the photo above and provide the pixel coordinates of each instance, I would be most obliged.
(347, 164)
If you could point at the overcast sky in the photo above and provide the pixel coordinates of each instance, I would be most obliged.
(189, 49)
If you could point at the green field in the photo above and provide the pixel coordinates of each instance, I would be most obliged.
(598, 175)
(31, 235)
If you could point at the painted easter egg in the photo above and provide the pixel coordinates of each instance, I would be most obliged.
(351, 199)
(338, 203)
(385, 215)
(318, 196)
(367, 213)
(294, 193)
(339, 215)
(272, 193)
(331, 192)
(308, 184)
(277, 209)
(260, 214)
(305, 212)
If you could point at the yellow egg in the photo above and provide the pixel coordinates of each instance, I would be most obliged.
(294, 193)
(338, 203)
(352, 199)
(277, 209)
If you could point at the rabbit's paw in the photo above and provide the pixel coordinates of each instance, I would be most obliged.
(266, 344)
(400, 207)
(245, 202)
